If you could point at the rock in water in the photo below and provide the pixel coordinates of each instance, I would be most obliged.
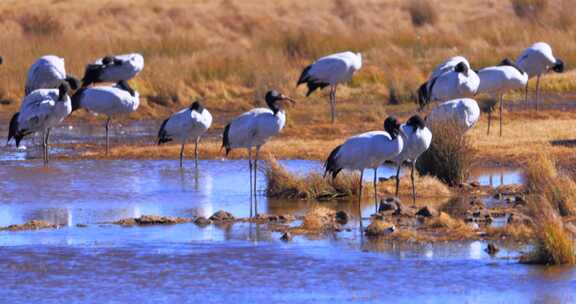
(202, 221)
(389, 203)
(222, 216)
(379, 228)
(286, 237)
(491, 249)
(342, 217)
(427, 212)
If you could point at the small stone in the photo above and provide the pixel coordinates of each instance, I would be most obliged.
(519, 218)
(519, 200)
(404, 211)
(342, 217)
(159, 220)
(427, 212)
(286, 237)
(202, 221)
(389, 204)
(491, 249)
(221, 216)
(286, 217)
(379, 228)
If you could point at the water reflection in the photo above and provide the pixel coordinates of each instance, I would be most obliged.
(496, 177)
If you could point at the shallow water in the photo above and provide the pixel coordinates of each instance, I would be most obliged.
(241, 263)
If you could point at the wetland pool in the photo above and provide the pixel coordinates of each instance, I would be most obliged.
(243, 262)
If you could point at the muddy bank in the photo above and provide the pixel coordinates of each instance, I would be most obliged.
(30, 225)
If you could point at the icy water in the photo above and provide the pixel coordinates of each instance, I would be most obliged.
(241, 263)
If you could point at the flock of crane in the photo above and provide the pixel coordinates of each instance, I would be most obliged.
(49, 100)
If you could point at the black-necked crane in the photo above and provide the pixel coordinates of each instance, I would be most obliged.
(536, 60)
(191, 122)
(417, 139)
(330, 71)
(113, 69)
(48, 72)
(108, 100)
(452, 79)
(253, 129)
(366, 151)
(464, 112)
(497, 80)
(39, 112)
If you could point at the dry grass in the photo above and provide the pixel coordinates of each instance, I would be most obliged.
(426, 187)
(554, 245)
(210, 48)
(283, 184)
(422, 12)
(552, 196)
(529, 8)
(450, 155)
(559, 191)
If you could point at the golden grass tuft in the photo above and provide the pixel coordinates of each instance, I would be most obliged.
(554, 245)
(422, 12)
(450, 155)
(40, 24)
(529, 9)
(543, 179)
(551, 196)
(426, 186)
(318, 218)
(283, 184)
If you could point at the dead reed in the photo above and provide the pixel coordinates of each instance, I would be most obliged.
(450, 155)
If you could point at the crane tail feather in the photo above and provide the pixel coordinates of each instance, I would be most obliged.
(162, 134)
(13, 130)
(422, 96)
(226, 139)
(304, 77)
(331, 165)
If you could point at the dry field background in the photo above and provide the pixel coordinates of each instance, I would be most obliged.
(229, 51)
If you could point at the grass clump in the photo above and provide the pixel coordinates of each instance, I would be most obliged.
(450, 155)
(422, 12)
(543, 179)
(283, 184)
(529, 9)
(553, 245)
(551, 197)
(40, 24)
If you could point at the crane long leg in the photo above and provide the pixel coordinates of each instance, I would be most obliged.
(501, 106)
(413, 184)
(333, 103)
(47, 145)
(44, 147)
(107, 127)
(376, 190)
(489, 122)
(398, 179)
(255, 179)
(250, 165)
(360, 199)
(537, 90)
(526, 94)
(196, 152)
(182, 154)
